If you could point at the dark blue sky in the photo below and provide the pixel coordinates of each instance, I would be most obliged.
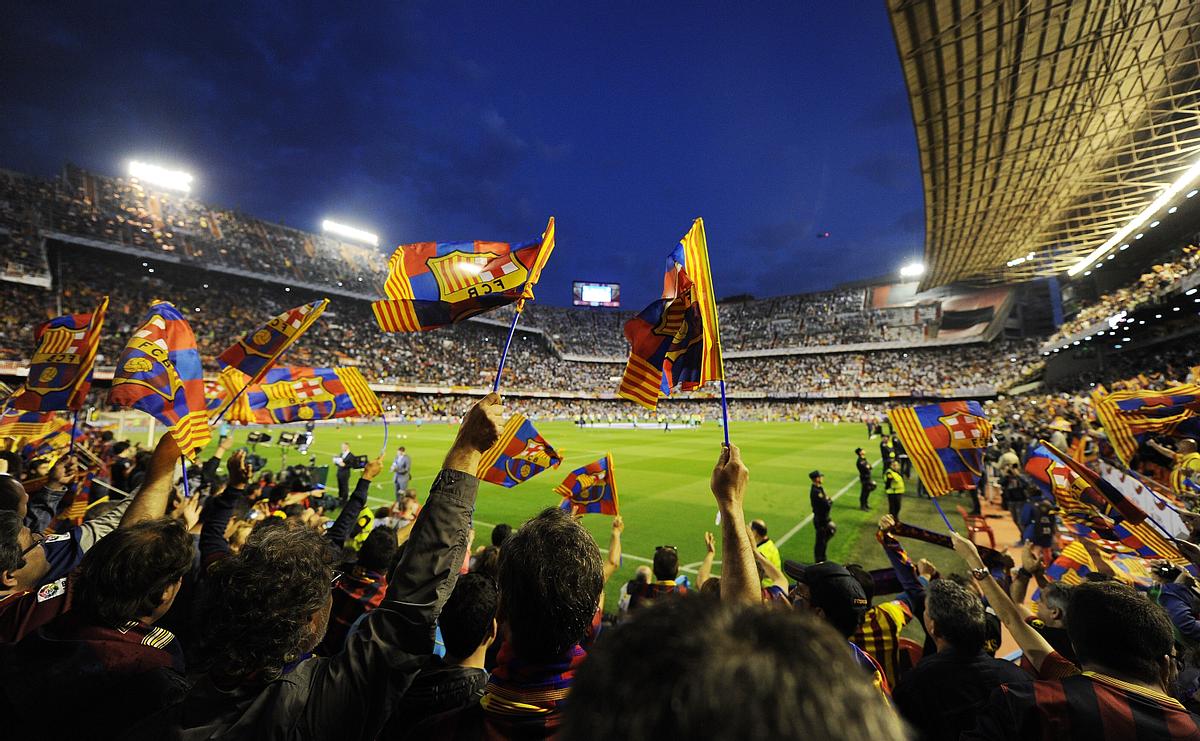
(445, 121)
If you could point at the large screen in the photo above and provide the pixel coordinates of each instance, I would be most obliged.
(597, 294)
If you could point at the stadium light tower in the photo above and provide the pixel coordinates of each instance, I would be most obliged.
(349, 232)
(161, 176)
(912, 270)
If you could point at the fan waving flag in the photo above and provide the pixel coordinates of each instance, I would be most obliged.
(591, 489)
(946, 443)
(300, 394)
(675, 341)
(255, 353)
(60, 373)
(434, 284)
(520, 454)
(1131, 417)
(159, 372)
(19, 423)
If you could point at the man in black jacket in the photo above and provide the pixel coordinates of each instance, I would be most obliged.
(822, 505)
(864, 478)
(266, 608)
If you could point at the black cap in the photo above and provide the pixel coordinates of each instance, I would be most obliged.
(814, 475)
(835, 590)
(857, 451)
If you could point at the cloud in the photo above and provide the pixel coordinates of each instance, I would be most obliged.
(887, 170)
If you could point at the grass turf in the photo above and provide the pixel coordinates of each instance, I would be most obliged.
(662, 479)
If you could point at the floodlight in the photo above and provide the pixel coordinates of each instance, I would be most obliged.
(161, 176)
(912, 270)
(350, 232)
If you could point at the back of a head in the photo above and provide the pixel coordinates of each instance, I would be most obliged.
(257, 606)
(487, 562)
(10, 543)
(759, 527)
(958, 614)
(666, 564)
(699, 668)
(15, 464)
(551, 576)
(468, 614)
(122, 577)
(1113, 627)
(378, 549)
(12, 494)
(501, 533)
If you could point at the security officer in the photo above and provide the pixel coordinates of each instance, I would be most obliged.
(864, 478)
(887, 453)
(821, 506)
(893, 486)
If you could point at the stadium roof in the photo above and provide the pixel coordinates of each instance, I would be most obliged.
(1044, 126)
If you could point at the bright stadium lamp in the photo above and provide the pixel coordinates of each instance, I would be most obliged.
(912, 270)
(161, 176)
(349, 232)
(1188, 177)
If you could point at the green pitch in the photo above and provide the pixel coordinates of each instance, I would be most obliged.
(662, 479)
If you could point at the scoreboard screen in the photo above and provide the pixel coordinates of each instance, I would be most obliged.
(597, 294)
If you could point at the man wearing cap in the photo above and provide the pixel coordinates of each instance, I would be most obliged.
(821, 506)
(831, 592)
(864, 478)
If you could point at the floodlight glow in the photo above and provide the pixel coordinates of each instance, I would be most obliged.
(912, 270)
(161, 176)
(350, 232)
(1187, 178)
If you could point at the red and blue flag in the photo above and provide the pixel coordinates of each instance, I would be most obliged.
(255, 353)
(302, 393)
(946, 442)
(19, 423)
(591, 489)
(60, 372)
(520, 454)
(159, 372)
(1132, 417)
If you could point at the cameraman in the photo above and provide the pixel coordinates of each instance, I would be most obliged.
(343, 463)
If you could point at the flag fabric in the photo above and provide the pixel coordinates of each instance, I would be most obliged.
(17, 423)
(255, 353)
(1097, 492)
(1151, 497)
(301, 393)
(214, 394)
(52, 443)
(675, 341)
(434, 284)
(520, 454)
(1131, 417)
(591, 489)
(535, 272)
(159, 372)
(60, 372)
(1082, 557)
(946, 442)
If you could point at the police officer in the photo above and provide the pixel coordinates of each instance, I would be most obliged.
(821, 506)
(886, 453)
(864, 478)
(902, 456)
(893, 486)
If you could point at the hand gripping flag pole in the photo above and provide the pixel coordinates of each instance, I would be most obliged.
(535, 273)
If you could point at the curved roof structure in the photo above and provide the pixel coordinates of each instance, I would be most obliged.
(1044, 126)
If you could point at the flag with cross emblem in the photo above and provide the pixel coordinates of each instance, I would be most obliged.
(946, 442)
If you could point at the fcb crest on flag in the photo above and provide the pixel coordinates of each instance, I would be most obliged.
(946, 443)
(255, 353)
(591, 489)
(301, 393)
(159, 372)
(520, 454)
(60, 372)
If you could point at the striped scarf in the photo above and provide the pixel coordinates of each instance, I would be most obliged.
(526, 700)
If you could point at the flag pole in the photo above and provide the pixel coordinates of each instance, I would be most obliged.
(229, 406)
(187, 489)
(383, 451)
(74, 427)
(725, 412)
(943, 514)
(512, 329)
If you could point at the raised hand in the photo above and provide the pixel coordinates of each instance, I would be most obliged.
(729, 477)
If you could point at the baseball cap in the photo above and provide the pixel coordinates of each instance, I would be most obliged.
(814, 474)
(835, 590)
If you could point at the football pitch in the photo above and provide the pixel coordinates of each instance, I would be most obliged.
(662, 479)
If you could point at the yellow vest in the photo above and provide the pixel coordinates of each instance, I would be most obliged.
(893, 482)
(770, 551)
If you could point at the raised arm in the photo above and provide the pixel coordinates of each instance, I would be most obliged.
(710, 552)
(219, 510)
(613, 562)
(739, 577)
(1162, 450)
(340, 530)
(151, 500)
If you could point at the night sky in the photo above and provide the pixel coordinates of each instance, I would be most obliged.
(457, 121)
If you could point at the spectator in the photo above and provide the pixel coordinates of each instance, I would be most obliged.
(764, 545)
(665, 570)
(360, 589)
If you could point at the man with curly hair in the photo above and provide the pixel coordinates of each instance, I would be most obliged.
(266, 609)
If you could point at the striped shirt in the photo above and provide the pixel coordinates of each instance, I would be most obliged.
(879, 635)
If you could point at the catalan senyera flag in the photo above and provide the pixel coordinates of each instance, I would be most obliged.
(255, 353)
(1082, 557)
(159, 372)
(591, 489)
(52, 443)
(946, 442)
(302, 393)
(60, 372)
(676, 341)
(1130, 417)
(520, 454)
(434, 284)
(16, 423)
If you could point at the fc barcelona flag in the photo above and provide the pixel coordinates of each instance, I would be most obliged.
(214, 395)
(300, 394)
(676, 341)
(1088, 486)
(255, 353)
(591, 489)
(433, 284)
(159, 372)
(60, 373)
(520, 454)
(18, 423)
(946, 443)
(1130, 417)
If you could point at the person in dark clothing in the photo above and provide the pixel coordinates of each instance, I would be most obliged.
(887, 453)
(361, 588)
(864, 478)
(822, 506)
(943, 693)
(902, 456)
(265, 609)
(342, 462)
